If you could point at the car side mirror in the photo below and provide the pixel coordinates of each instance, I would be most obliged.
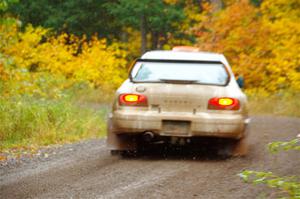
(240, 81)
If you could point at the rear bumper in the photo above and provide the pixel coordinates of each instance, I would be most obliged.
(200, 124)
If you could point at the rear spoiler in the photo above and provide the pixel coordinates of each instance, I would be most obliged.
(179, 61)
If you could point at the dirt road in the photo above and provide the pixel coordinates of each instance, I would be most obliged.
(86, 170)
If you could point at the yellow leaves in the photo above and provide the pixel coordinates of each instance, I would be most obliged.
(283, 22)
(38, 58)
(7, 35)
(100, 64)
(3, 73)
(172, 2)
(280, 9)
(32, 36)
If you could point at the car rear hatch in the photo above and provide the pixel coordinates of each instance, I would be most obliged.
(179, 86)
(181, 98)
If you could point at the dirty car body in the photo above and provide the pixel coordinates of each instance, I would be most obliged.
(173, 95)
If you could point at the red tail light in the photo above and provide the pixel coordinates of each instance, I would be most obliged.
(223, 103)
(132, 100)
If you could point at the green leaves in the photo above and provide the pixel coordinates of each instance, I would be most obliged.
(159, 14)
(4, 4)
(275, 147)
(78, 17)
(288, 185)
(150, 16)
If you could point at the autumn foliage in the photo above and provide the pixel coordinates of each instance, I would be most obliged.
(262, 43)
(34, 59)
(41, 69)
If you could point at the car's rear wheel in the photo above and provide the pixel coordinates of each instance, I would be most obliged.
(234, 148)
(240, 148)
(116, 152)
(124, 153)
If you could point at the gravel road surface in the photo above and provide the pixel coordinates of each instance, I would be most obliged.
(87, 170)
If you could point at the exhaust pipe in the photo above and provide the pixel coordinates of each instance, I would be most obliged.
(148, 136)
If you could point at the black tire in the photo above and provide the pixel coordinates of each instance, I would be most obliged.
(234, 148)
(116, 152)
(240, 147)
(124, 153)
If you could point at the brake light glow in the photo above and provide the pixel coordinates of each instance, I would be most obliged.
(132, 100)
(223, 103)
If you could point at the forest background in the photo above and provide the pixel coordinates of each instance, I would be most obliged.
(60, 61)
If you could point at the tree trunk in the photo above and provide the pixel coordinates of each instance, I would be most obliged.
(154, 37)
(163, 41)
(143, 34)
(199, 2)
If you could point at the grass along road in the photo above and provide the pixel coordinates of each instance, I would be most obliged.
(88, 171)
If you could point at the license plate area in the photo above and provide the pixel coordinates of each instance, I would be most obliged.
(173, 127)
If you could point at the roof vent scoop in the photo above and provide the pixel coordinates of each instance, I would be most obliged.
(186, 49)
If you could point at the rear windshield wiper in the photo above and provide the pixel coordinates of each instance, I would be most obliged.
(178, 81)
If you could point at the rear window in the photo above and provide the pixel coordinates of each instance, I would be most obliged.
(201, 73)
